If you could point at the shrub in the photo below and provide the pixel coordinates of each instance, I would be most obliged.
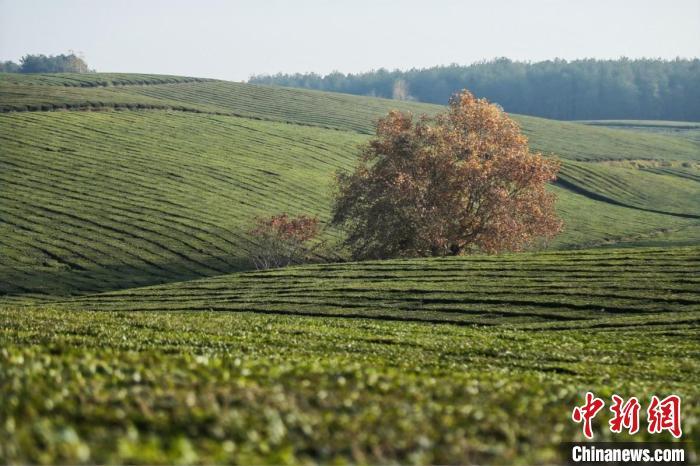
(282, 240)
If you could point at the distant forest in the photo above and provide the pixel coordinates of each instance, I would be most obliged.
(587, 89)
(64, 63)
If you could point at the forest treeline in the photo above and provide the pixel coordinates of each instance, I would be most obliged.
(585, 89)
(64, 63)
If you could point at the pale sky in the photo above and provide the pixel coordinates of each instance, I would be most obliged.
(238, 38)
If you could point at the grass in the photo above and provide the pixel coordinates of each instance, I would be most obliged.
(82, 210)
(576, 144)
(589, 222)
(661, 189)
(173, 385)
(683, 129)
(92, 79)
(573, 141)
(96, 201)
(311, 108)
(325, 109)
(23, 98)
(559, 289)
(452, 360)
(688, 173)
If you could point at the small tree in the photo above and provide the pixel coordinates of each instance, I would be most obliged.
(281, 240)
(455, 183)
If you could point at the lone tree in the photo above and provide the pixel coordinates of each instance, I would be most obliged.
(460, 182)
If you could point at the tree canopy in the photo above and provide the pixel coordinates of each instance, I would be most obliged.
(459, 182)
(569, 90)
(9, 67)
(64, 63)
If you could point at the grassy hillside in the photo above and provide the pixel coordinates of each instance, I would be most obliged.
(684, 129)
(688, 173)
(23, 98)
(576, 141)
(171, 385)
(339, 111)
(95, 201)
(215, 387)
(562, 289)
(448, 360)
(92, 79)
(259, 102)
(116, 199)
(105, 200)
(657, 190)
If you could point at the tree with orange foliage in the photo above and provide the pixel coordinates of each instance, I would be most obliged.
(282, 240)
(456, 183)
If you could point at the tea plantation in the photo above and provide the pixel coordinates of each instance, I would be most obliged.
(139, 193)
(133, 330)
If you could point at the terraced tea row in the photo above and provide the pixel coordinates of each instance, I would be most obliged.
(579, 142)
(47, 98)
(221, 387)
(111, 199)
(594, 223)
(357, 114)
(684, 129)
(103, 200)
(327, 110)
(687, 173)
(447, 360)
(673, 191)
(93, 79)
(568, 140)
(548, 290)
(126, 193)
(341, 111)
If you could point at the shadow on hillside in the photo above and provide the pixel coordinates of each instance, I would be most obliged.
(64, 281)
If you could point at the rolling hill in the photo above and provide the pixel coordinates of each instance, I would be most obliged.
(454, 360)
(117, 197)
(685, 129)
(577, 289)
(132, 194)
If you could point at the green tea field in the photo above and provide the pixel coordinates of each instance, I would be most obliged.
(427, 361)
(686, 129)
(82, 190)
(133, 328)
